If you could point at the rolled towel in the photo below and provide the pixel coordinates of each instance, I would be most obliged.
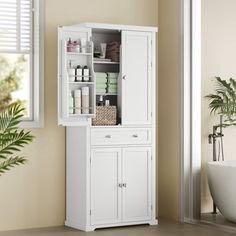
(101, 86)
(112, 86)
(111, 90)
(101, 74)
(112, 80)
(100, 91)
(112, 75)
(101, 80)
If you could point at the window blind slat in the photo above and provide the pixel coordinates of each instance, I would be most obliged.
(15, 25)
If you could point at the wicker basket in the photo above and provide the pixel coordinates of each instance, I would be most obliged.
(105, 115)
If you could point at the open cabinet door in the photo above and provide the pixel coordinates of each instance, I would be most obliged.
(136, 78)
(68, 58)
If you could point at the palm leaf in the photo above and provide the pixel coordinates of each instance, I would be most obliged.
(10, 163)
(10, 118)
(223, 101)
(11, 138)
(13, 142)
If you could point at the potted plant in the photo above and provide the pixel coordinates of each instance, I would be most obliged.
(223, 101)
(12, 138)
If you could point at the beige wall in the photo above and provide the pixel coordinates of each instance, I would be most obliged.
(218, 59)
(34, 195)
(169, 107)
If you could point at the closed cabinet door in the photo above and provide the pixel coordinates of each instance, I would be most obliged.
(105, 186)
(136, 77)
(136, 179)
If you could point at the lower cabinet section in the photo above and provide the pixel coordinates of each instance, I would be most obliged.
(120, 185)
(105, 190)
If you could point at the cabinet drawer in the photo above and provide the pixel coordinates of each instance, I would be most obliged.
(109, 136)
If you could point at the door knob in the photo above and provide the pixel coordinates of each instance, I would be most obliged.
(124, 77)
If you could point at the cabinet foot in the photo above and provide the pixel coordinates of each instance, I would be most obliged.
(153, 222)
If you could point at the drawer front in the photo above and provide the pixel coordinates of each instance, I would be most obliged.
(124, 136)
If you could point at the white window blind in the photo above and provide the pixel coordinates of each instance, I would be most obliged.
(15, 26)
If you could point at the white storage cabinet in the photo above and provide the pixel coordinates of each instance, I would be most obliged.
(110, 170)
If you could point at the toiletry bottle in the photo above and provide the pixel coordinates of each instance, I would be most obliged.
(100, 102)
(83, 43)
(76, 46)
(86, 74)
(85, 100)
(71, 103)
(77, 101)
(79, 73)
(69, 45)
(71, 73)
(107, 102)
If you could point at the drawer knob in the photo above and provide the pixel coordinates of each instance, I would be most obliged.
(124, 185)
(120, 185)
(135, 136)
(108, 136)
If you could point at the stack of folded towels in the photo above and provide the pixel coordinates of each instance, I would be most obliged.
(101, 82)
(112, 82)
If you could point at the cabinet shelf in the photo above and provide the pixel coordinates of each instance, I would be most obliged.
(82, 115)
(79, 53)
(89, 82)
(106, 94)
(106, 62)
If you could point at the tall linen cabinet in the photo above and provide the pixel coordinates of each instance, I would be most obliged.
(110, 169)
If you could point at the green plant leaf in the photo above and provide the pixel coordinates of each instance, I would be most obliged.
(10, 163)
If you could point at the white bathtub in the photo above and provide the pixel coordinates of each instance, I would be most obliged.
(222, 183)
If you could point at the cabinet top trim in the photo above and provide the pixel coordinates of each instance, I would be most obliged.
(116, 27)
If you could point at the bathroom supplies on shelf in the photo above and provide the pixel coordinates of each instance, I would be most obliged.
(112, 82)
(100, 102)
(83, 45)
(71, 103)
(103, 50)
(101, 82)
(85, 100)
(69, 45)
(77, 101)
(85, 74)
(76, 46)
(113, 51)
(79, 73)
(71, 73)
(105, 115)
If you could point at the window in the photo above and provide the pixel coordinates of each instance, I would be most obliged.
(21, 57)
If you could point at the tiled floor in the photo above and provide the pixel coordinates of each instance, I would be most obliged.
(165, 228)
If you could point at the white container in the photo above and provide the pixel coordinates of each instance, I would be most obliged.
(71, 103)
(71, 74)
(79, 73)
(86, 74)
(77, 98)
(85, 100)
(83, 43)
(103, 50)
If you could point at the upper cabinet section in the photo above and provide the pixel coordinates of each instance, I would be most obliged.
(136, 77)
(105, 75)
